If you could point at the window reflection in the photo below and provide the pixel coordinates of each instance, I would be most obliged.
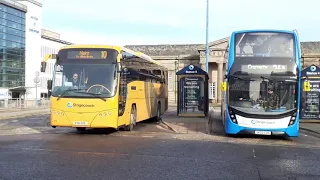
(12, 47)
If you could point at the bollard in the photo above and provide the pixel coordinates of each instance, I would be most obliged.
(210, 121)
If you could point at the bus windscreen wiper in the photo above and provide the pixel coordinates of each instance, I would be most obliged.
(67, 90)
(263, 77)
(241, 78)
(94, 94)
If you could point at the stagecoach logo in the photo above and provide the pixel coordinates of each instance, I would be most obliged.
(313, 71)
(191, 67)
(263, 122)
(313, 68)
(70, 104)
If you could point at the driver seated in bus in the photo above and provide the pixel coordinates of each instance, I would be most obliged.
(273, 99)
(75, 80)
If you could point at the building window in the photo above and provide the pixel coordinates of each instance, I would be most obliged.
(212, 90)
(12, 47)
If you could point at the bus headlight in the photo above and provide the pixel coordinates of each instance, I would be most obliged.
(293, 119)
(59, 113)
(107, 113)
(233, 116)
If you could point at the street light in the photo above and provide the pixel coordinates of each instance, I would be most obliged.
(207, 34)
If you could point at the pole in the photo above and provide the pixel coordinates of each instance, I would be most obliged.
(36, 95)
(207, 34)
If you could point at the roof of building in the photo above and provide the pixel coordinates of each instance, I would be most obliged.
(32, 1)
(166, 49)
(15, 4)
(311, 47)
(53, 36)
(56, 40)
(193, 49)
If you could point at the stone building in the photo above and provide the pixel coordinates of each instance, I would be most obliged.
(175, 57)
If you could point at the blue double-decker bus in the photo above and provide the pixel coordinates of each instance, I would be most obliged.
(261, 88)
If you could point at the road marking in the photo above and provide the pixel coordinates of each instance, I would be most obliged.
(14, 121)
(3, 124)
(147, 136)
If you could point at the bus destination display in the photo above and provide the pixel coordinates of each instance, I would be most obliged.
(87, 54)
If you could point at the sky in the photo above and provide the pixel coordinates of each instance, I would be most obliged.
(151, 22)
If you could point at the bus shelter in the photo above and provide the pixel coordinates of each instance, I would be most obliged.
(193, 100)
(310, 109)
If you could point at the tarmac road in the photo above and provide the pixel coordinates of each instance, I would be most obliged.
(31, 149)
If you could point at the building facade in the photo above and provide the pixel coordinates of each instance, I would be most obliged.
(12, 45)
(175, 57)
(23, 44)
(50, 44)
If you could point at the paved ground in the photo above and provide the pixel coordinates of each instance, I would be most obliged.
(35, 151)
(31, 149)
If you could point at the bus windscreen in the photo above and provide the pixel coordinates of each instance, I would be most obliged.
(267, 44)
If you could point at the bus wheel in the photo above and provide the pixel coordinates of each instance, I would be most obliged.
(159, 112)
(133, 118)
(80, 129)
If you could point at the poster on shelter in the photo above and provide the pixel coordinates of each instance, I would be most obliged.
(310, 101)
(192, 95)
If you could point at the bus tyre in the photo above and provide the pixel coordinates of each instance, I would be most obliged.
(159, 112)
(133, 118)
(81, 129)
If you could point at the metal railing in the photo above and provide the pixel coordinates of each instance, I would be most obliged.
(19, 103)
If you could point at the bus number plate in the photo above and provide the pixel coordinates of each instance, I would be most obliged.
(80, 123)
(262, 132)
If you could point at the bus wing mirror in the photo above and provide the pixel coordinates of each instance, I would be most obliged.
(49, 84)
(43, 66)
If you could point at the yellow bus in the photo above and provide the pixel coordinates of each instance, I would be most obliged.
(100, 86)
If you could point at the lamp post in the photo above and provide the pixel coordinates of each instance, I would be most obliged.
(207, 34)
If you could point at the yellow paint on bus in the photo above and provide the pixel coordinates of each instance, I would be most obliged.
(141, 86)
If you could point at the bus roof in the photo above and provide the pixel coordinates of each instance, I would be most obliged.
(263, 30)
(118, 48)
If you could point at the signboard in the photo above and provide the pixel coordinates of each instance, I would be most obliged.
(310, 99)
(87, 54)
(192, 91)
(34, 27)
(311, 71)
(223, 86)
(4, 94)
(261, 69)
(192, 94)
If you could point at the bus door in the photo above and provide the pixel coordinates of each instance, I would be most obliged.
(123, 90)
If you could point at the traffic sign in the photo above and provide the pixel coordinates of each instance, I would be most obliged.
(36, 80)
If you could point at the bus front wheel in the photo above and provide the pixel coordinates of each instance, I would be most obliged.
(81, 129)
(158, 117)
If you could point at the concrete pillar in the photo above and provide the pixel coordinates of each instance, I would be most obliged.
(203, 66)
(220, 80)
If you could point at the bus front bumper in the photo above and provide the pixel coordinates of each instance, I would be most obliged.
(103, 119)
(290, 131)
